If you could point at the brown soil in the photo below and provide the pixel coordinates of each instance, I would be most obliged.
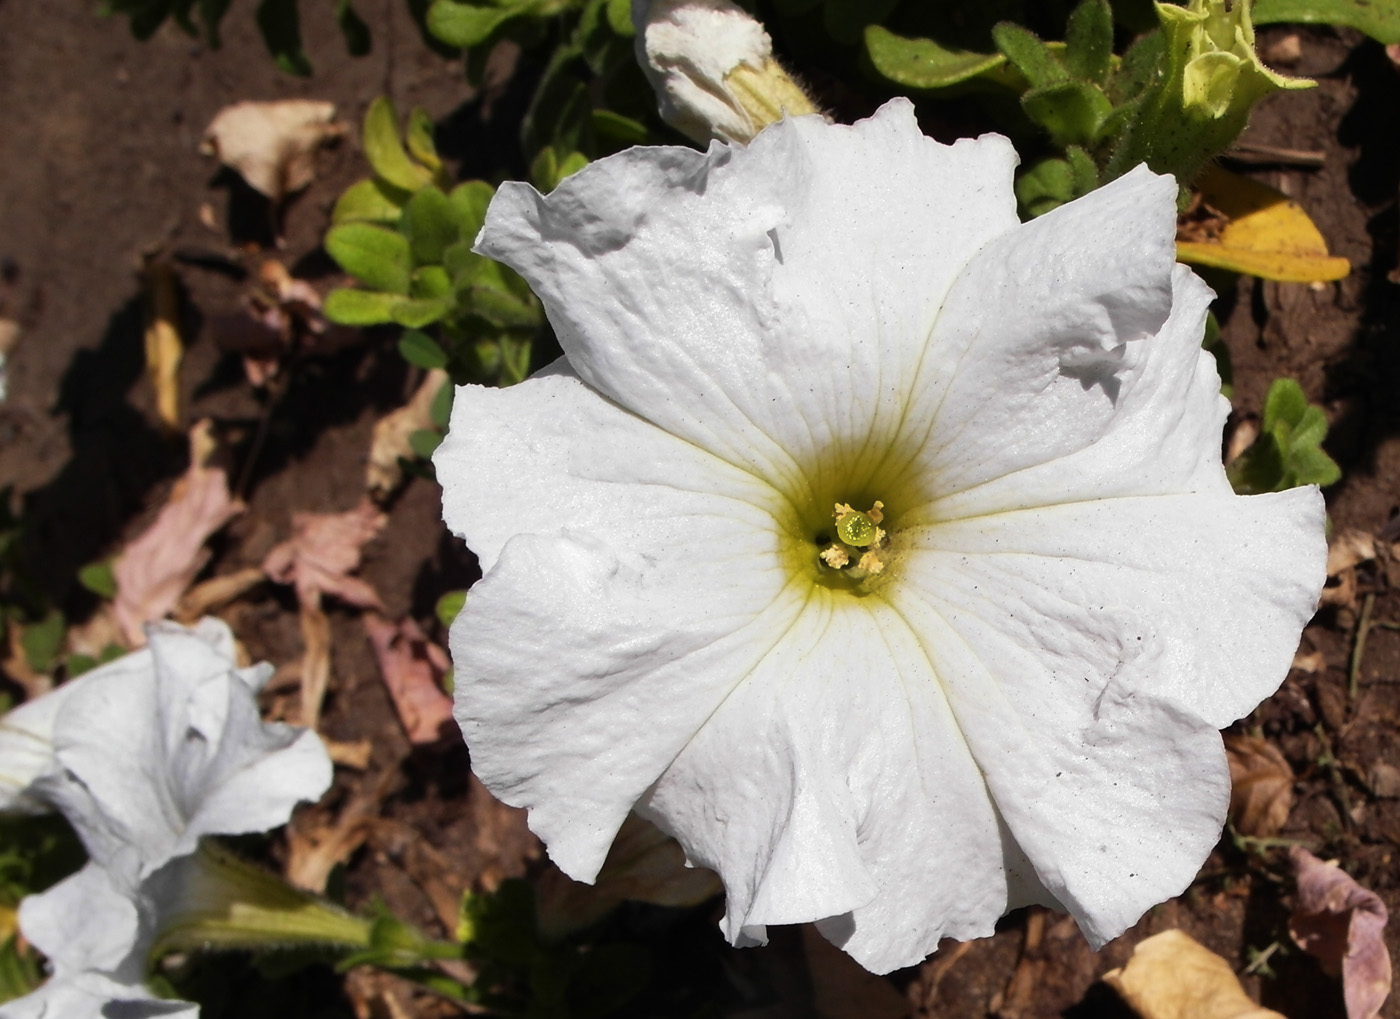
(99, 139)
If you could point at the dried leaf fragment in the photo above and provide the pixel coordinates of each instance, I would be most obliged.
(1172, 976)
(1261, 785)
(156, 568)
(325, 548)
(1349, 548)
(1266, 234)
(271, 145)
(164, 350)
(1343, 925)
(413, 667)
(391, 435)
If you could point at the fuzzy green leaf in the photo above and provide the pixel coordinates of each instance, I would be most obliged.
(1029, 54)
(923, 63)
(419, 136)
(99, 579)
(384, 149)
(421, 350)
(349, 307)
(374, 255)
(370, 201)
(1073, 112)
(430, 224)
(1089, 41)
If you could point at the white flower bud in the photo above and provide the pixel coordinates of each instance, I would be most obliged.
(712, 66)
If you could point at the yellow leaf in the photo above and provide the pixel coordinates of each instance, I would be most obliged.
(1267, 234)
(163, 347)
(1171, 976)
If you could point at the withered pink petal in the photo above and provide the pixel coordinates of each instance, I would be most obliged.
(1343, 925)
(413, 668)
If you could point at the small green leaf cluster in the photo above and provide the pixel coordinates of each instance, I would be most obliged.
(1288, 452)
(279, 22)
(1177, 95)
(406, 235)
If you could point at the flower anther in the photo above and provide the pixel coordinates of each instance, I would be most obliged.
(893, 648)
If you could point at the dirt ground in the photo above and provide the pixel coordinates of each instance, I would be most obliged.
(99, 141)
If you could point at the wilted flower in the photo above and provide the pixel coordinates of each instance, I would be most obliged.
(144, 757)
(873, 544)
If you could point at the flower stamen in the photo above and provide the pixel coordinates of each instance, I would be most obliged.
(859, 539)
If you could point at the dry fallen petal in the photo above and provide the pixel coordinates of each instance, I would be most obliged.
(272, 145)
(1171, 976)
(1312, 662)
(413, 668)
(1261, 785)
(391, 434)
(156, 568)
(1343, 925)
(323, 551)
(315, 662)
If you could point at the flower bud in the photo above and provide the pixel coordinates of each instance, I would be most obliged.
(712, 66)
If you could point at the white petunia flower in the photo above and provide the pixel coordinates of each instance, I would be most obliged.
(874, 544)
(144, 757)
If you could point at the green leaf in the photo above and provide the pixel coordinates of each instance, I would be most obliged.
(449, 607)
(416, 313)
(349, 307)
(1311, 428)
(421, 145)
(19, 972)
(515, 359)
(430, 281)
(42, 641)
(1083, 170)
(421, 350)
(923, 63)
(370, 201)
(376, 256)
(619, 130)
(280, 25)
(1312, 466)
(1031, 56)
(99, 579)
(620, 18)
(468, 25)
(1089, 41)
(355, 31)
(424, 441)
(1045, 185)
(1380, 19)
(1073, 112)
(469, 201)
(1285, 404)
(430, 224)
(385, 151)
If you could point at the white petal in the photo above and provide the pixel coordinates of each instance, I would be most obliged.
(26, 747)
(154, 757)
(94, 996)
(1163, 435)
(764, 303)
(82, 923)
(1090, 652)
(581, 673)
(833, 785)
(1041, 334)
(551, 453)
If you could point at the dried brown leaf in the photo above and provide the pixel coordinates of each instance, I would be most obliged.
(1261, 785)
(413, 668)
(1343, 925)
(157, 567)
(1172, 976)
(323, 551)
(164, 350)
(1347, 549)
(272, 145)
(391, 433)
(315, 662)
